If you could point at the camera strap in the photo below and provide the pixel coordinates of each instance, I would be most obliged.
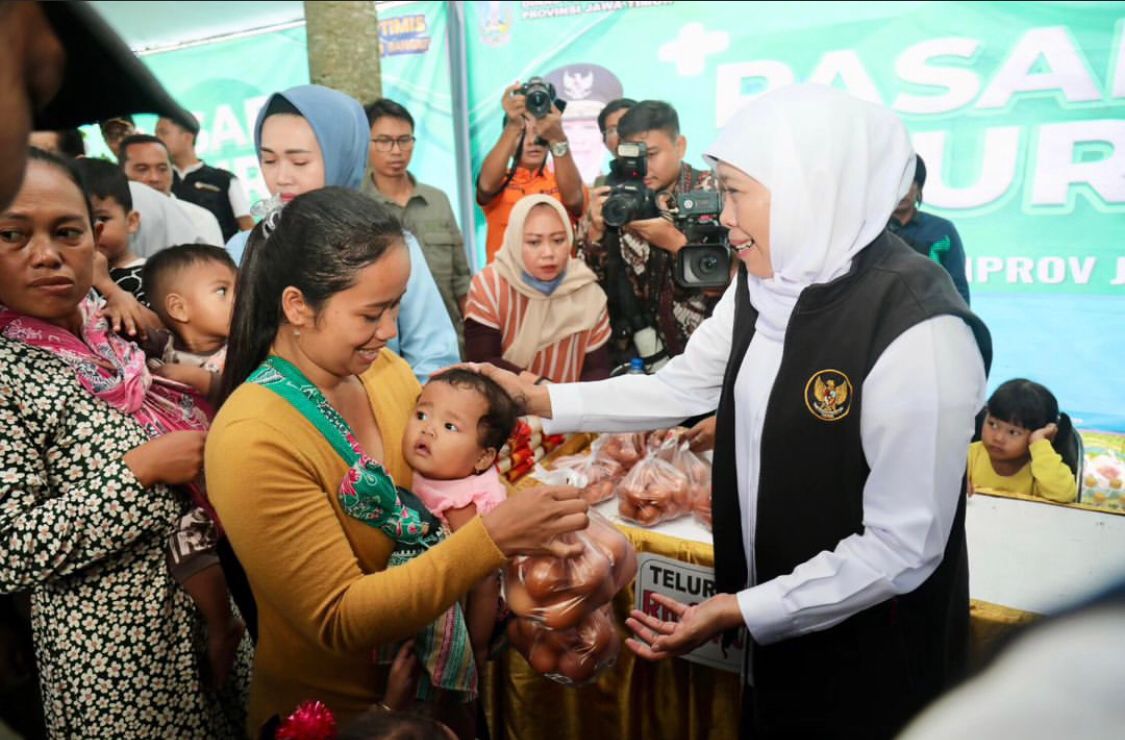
(630, 319)
(513, 166)
(626, 310)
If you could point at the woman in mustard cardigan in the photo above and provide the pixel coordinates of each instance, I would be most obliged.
(303, 460)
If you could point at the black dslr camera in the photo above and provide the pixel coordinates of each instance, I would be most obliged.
(540, 96)
(704, 262)
(629, 199)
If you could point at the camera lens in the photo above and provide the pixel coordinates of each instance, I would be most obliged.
(708, 264)
(539, 99)
(617, 211)
(702, 266)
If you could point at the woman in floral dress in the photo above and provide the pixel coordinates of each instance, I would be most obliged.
(85, 503)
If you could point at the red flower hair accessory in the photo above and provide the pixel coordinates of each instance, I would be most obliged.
(311, 721)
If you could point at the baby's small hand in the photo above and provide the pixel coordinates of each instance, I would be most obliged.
(1048, 432)
(128, 317)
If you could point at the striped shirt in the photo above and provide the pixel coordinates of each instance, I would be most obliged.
(494, 303)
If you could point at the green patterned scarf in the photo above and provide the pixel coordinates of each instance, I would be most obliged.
(369, 494)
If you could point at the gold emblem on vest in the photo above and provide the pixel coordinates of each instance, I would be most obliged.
(828, 395)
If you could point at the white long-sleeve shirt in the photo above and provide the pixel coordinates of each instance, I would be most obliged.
(163, 223)
(919, 403)
(206, 225)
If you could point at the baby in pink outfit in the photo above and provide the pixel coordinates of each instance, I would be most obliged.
(460, 422)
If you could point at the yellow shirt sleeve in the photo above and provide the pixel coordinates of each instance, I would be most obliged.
(268, 481)
(1052, 479)
(975, 470)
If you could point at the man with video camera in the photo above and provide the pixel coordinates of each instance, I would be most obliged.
(517, 164)
(630, 239)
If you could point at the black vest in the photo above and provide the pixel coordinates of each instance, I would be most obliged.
(866, 676)
(209, 187)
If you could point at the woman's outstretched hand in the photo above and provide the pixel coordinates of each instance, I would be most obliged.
(534, 398)
(702, 435)
(530, 522)
(656, 639)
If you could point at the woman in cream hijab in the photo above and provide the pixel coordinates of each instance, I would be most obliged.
(535, 310)
(847, 373)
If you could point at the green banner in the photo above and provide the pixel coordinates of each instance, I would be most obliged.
(1017, 108)
(225, 84)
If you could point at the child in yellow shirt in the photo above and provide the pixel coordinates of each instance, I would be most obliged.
(1020, 439)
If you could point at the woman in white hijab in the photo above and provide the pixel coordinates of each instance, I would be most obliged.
(847, 372)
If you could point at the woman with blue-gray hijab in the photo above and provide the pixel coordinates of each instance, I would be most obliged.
(309, 137)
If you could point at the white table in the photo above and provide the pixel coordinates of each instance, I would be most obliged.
(1037, 556)
(1026, 555)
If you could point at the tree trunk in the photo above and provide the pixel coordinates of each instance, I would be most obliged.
(343, 43)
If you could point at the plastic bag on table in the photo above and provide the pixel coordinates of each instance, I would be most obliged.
(654, 491)
(665, 442)
(698, 472)
(560, 592)
(626, 448)
(573, 656)
(701, 510)
(616, 546)
(595, 474)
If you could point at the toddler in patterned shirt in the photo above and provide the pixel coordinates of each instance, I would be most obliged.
(112, 202)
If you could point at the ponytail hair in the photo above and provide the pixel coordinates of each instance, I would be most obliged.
(1063, 441)
(320, 242)
(1030, 405)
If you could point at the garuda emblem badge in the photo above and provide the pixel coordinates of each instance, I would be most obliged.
(828, 395)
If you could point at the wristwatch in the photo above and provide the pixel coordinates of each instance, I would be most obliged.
(560, 148)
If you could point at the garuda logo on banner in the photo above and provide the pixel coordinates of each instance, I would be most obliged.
(496, 24)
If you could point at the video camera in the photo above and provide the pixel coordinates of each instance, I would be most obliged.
(629, 199)
(704, 262)
(540, 96)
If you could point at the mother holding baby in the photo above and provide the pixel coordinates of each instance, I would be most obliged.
(315, 412)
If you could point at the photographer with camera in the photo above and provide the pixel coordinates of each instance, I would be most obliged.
(630, 240)
(517, 165)
(608, 119)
